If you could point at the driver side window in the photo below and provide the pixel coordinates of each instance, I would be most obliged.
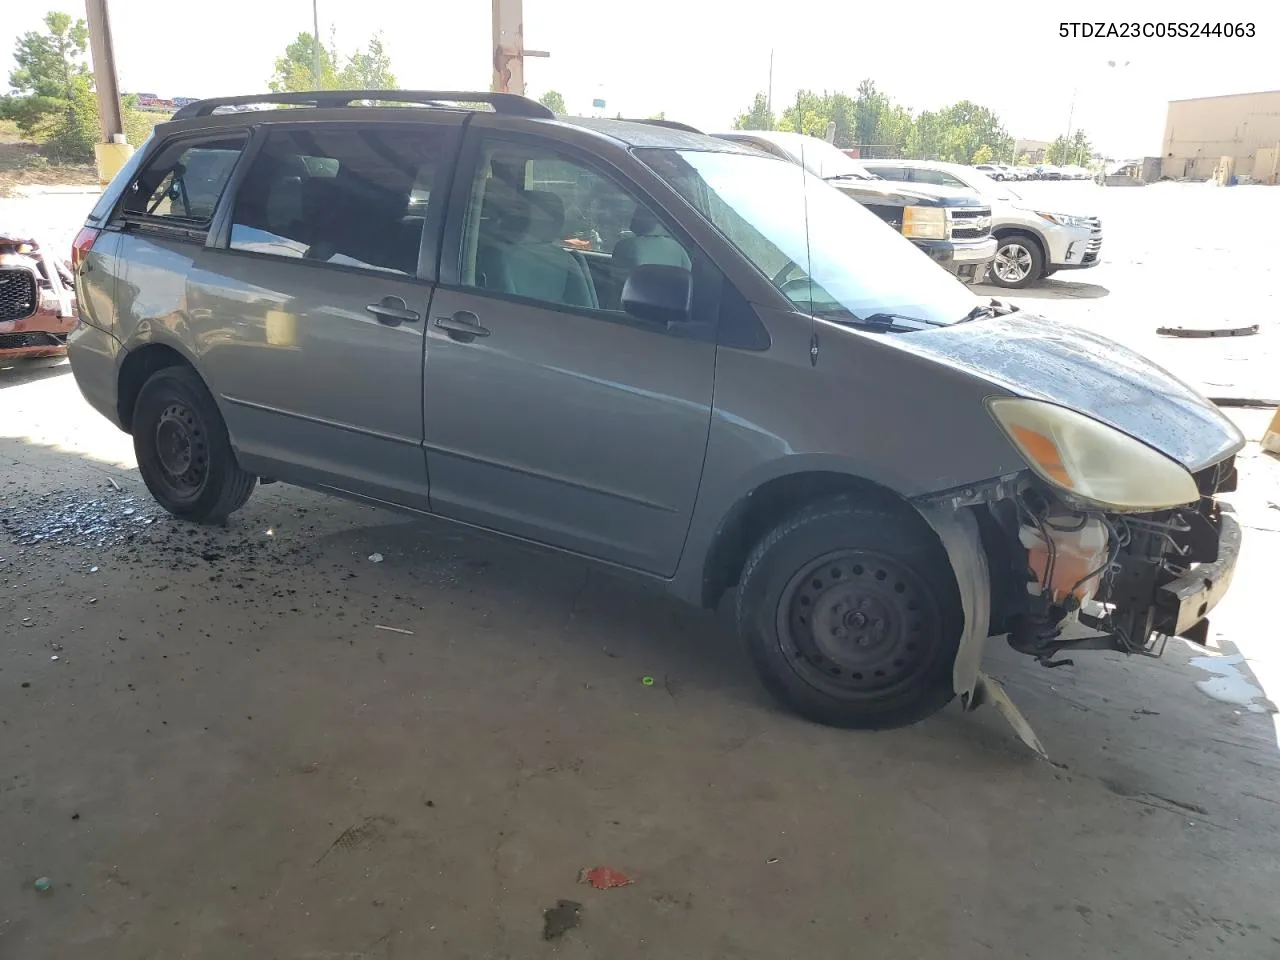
(184, 181)
(548, 227)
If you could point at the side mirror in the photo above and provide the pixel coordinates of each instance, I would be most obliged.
(658, 293)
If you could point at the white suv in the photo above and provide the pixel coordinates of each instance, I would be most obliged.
(1033, 243)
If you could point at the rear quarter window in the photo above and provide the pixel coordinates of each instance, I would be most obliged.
(184, 181)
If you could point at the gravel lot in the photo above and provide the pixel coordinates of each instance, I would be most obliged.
(210, 749)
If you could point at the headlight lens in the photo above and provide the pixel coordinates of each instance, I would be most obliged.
(1092, 461)
(1063, 219)
(924, 223)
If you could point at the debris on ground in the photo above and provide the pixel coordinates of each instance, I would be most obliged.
(43, 884)
(561, 918)
(115, 486)
(1247, 330)
(603, 878)
(375, 558)
(407, 633)
(647, 681)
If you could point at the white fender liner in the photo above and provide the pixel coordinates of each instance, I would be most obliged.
(958, 531)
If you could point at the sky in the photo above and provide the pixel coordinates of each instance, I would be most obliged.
(702, 61)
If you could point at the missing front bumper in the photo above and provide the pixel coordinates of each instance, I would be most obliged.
(1183, 604)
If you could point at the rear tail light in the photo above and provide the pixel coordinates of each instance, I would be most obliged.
(81, 246)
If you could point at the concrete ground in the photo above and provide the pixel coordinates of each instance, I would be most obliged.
(211, 750)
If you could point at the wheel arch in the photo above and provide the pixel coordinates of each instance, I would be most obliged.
(139, 364)
(1003, 232)
(767, 504)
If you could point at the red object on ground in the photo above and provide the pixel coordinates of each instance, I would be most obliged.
(604, 878)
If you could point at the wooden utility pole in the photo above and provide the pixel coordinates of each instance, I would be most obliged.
(113, 150)
(508, 47)
(104, 69)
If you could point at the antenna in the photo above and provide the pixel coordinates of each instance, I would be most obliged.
(808, 256)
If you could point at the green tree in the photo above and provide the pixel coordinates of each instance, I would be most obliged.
(294, 71)
(1074, 152)
(368, 69)
(810, 114)
(554, 101)
(52, 100)
(757, 117)
(984, 154)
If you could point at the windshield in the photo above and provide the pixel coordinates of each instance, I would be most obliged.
(826, 160)
(840, 260)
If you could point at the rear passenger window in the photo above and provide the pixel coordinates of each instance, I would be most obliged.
(184, 181)
(354, 197)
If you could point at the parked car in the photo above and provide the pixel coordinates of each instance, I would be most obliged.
(740, 381)
(992, 170)
(952, 226)
(1032, 243)
(37, 302)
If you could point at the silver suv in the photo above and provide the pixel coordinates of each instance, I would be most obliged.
(1033, 243)
(672, 355)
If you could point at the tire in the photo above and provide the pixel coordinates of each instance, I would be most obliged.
(1018, 263)
(880, 579)
(176, 425)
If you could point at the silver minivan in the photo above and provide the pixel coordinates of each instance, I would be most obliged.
(658, 350)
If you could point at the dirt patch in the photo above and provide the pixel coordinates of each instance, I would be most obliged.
(21, 164)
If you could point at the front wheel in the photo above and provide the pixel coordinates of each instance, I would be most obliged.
(1018, 263)
(183, 451)
(852, 616)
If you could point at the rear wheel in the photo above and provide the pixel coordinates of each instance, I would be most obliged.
(852, 616)
(183, 451)
(1018, 262)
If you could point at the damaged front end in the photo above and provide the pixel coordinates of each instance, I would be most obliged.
(1082, 579)
(1063, 575)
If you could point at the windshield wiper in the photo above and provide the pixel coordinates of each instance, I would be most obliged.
(984, 311)
(847, 176)
(891, 322)
(981, 312)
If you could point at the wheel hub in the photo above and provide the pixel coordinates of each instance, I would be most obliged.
(181, 449)
(1012, 262)
(859, 623)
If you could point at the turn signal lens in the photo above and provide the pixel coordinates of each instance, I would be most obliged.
(1092, 461)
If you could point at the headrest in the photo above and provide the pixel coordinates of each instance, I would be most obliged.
(644, 223)
(504, 212)
(546, 215)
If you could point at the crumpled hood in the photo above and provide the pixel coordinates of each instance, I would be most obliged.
(1043, 359)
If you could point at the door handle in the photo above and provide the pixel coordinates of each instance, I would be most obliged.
(463, 326)
(392, 311)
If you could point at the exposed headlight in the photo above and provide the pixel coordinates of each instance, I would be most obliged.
(924, 223)
(1063, 219)
(1092, 461)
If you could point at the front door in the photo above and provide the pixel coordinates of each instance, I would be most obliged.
(311, 321)
(550, 413)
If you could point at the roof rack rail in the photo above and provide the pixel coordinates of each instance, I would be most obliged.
(669, 124)
(508, 103)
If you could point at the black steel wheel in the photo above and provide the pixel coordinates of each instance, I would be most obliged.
(855, 623)
(852, 615)
(184, 453)
(182, 450)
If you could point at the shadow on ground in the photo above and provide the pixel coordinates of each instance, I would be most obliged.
(1046, 290)
(14, 372)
